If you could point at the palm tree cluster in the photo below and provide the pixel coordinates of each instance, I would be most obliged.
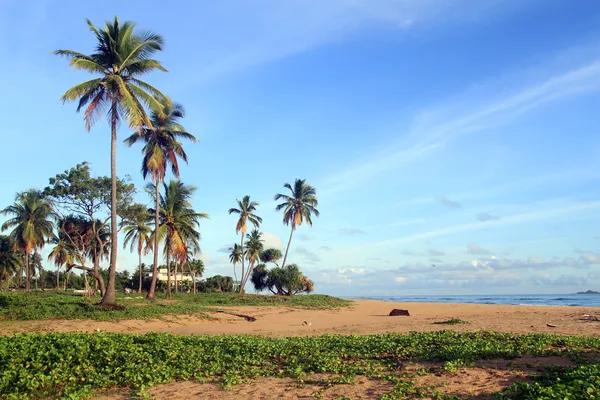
(121, 57)
(298, 207)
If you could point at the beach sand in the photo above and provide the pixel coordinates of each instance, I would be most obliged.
(362, 317)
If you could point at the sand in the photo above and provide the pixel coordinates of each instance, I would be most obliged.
(362, 317)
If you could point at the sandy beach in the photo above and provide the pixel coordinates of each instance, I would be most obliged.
(362, 317)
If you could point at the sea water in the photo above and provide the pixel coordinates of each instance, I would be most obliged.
(591, 300)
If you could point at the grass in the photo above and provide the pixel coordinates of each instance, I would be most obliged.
(59, 305)
(73, 365)
(451, 321)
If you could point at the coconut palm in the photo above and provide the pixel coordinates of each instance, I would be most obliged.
(121, 57)
(31, 221)
(196, 268)
(62, 254)
(161, 149)
(179, 223)
(254, 248)
(138, 234)
(235, 256)
(9, 260)
(246, 211)
(297, 208)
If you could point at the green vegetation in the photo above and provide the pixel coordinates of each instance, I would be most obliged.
(52, 305)
(73, 364)
(451, 321)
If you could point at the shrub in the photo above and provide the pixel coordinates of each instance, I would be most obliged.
(282, 281)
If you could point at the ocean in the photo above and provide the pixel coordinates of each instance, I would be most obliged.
(590, 300)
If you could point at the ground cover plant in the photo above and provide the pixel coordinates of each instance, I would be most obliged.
(451, 321)
(64, 305)
(73, 365)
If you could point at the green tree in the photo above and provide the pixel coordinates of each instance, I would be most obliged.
(281, 281)
(235, 256)
(138, 234)
(31, 220)
(254, 248)
(297, 208)
(161, 149)
(246, 212)
(62, 254)
(85, 203)
(196, 268)
(10, 262)
(121, 57)
(179, 223)
(271, 255)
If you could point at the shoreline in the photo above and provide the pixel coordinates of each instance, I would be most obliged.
(362, 317)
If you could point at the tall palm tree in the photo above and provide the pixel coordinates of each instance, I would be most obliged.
(31, 222)
(161, 149)
(245, 210)
(9, 260)
(121, 57)
(297, 208)
(138, 234)
(179, 223)
(254, 248)
(235, 256)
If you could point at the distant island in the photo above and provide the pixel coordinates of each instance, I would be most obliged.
(589, 292)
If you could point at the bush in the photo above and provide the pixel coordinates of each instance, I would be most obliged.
(216, 284)
(282, 281)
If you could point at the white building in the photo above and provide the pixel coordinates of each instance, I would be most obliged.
(163, 276)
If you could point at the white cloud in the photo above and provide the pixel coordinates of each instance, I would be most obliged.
(272, 241)
(400, 279)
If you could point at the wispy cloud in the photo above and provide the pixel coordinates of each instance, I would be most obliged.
(484, 217)
(253, 33)
(351, 231)
(433, 129)
(474, 248)
(447, 202)
(537, 215)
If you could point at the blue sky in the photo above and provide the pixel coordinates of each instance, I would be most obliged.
(453, 143)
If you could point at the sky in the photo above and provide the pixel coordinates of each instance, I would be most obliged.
(453, 144)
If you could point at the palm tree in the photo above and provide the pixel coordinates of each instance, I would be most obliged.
(161, 149)
(253, 250)
(9, 259)
(121, 57)
(196, 268)
(137, 234)
(235, 256)
(62, 253)
(245, 210)
(31, 222)
(179, 223)
(297, 208)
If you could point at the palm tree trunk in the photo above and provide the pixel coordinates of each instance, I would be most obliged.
(57, 277)
(156, 222)
(175, 275)
(168, 271)
(288, 246)
(242, 250)
(41, 279)
(110, 295)
(140, 268)
(27, 282)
